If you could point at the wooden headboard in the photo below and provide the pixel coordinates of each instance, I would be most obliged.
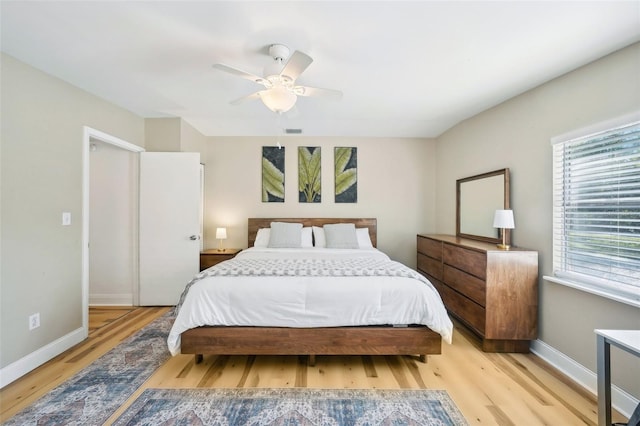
(257, 223)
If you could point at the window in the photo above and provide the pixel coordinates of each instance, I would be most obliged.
(596, 212)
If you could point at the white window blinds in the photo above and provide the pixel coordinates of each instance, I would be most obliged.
(596, 210)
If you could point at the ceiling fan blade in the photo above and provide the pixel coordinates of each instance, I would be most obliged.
(255, 95)
(298, 62)
(318, 92)
(239, 73)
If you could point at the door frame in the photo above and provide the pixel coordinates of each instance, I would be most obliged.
(88, 134)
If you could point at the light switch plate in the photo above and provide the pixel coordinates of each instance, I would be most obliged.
(66, 218)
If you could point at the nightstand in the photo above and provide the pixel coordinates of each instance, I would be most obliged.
(211, 257)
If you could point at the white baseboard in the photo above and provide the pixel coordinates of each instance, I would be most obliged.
(620, 400)
(35, 359)
(123, 299)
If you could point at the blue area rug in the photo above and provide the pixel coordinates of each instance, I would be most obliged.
(95, 393)
(295, 406)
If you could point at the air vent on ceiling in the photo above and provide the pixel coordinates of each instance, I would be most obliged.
(293, 131)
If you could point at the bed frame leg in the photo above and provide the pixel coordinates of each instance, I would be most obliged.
(198, 358)
(422, 358)
(312, 360)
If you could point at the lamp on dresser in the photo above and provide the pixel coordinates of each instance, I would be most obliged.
(221, 234)
(503, 219)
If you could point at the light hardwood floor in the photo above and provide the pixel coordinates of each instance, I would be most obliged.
(488, 388)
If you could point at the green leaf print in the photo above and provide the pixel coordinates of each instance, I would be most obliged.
(272, 180)
(309, 176)
(345, 179)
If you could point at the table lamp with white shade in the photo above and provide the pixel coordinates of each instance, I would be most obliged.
(503, 219)
(221, 234)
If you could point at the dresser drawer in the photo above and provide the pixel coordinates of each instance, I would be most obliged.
(470, 261)
(430, 266)
(430, 247)
(466, 310)
(472, 287)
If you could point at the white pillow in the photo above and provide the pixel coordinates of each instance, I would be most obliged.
(306, 239)
(285, 235)
(341, 236)
(262, 237)
(362, 234)
(364, 240)
(318, 236)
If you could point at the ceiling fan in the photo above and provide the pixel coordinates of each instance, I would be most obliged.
(280, 91)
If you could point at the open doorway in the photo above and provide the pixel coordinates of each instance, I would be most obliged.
(113, 225)
(110, 221)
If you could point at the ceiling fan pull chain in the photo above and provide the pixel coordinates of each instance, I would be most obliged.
(278, 128)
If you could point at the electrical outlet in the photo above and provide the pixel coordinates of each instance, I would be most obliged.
(34, 321)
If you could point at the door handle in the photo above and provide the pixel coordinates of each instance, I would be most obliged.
(194, 237)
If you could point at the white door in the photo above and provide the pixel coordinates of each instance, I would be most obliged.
(169, 225)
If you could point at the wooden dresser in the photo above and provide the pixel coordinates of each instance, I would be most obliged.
(493, 292)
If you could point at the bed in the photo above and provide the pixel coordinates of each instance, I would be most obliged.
(198, 332)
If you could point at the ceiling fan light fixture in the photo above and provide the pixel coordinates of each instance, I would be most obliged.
(281, 93)
(278, 99)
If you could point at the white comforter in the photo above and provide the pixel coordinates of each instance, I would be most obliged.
(309, 300)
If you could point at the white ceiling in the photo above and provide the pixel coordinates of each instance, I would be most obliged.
(407, 68)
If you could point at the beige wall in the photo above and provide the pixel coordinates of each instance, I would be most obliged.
(162, 134)
(42, 131)
(395, 185)
(191, 140)
(516, 134)
(173, 135)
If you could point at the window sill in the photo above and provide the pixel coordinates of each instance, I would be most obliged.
(618, 297)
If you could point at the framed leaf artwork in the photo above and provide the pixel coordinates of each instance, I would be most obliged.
(346, 174)
(309, 174)
(272, 174)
